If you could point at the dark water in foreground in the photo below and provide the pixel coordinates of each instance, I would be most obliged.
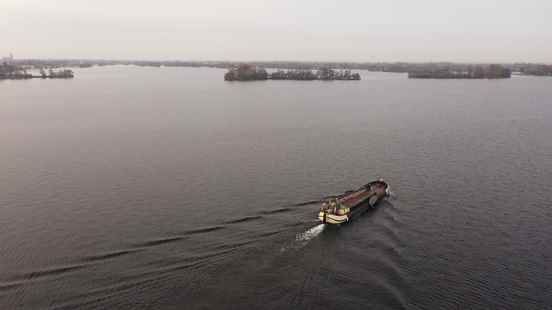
(144, 188)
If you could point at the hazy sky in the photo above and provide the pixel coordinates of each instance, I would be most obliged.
(383, 30)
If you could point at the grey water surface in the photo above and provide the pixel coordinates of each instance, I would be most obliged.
(168, 188)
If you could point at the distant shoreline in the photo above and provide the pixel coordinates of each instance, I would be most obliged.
(248, 72)
(535, 69)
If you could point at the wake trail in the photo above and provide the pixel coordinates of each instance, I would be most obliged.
(310, 233)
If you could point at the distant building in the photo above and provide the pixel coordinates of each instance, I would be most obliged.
(7, 60)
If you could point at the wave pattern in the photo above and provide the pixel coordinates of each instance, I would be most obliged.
(153, 274)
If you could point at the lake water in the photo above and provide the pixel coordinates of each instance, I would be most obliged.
(168, 188)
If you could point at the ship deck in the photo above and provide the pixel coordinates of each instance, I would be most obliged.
(354, 199)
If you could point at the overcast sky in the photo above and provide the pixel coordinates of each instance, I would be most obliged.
(324, 30)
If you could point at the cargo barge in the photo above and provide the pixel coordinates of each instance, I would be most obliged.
(351, 204)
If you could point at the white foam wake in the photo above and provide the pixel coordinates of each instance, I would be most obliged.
(303, 238)
(311, 233)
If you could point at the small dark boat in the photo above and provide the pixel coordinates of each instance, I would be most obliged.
(351, 204)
